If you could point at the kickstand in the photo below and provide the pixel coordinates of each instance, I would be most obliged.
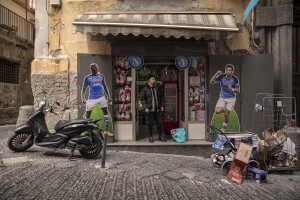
(71, 157)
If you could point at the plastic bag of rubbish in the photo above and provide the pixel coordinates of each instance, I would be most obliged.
(219, 143)
(179, 135)
(289, 147)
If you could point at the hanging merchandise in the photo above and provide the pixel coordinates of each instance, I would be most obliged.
(127, 107)
(127, 89)
(194, 62)
(116, 111)
(121, 108)
(122, 63)
(191, 95)
(118, 117)
(116, 96)
(128, 73)
(128, 98)
(196, 95)
(122, 78)
(117, 65)
(117, 78)
(122, 117)
(127, 116)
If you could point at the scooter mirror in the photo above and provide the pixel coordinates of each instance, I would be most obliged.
(57, 103)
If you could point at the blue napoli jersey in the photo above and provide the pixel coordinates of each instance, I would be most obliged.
(96, 85)
(226, 93)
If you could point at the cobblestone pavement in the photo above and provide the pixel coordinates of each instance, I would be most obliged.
(41, 173)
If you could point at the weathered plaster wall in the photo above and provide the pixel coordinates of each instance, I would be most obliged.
(12, 96)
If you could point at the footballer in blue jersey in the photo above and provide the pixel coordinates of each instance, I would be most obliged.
(229, 88)
(98, 91)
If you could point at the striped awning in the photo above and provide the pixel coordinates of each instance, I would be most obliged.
(183, 24)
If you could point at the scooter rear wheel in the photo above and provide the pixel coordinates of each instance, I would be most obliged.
(20, 142)
(94, 152)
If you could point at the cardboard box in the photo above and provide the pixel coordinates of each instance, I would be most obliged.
(263, 149)
(267, 134)
(243, 154)
(257, 175)
(236, 172)
(272, 142)
(280, 136)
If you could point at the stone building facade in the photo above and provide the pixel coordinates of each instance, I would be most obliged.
(16, 54)
(55, 66)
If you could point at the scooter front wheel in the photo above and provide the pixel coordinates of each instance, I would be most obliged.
(94, 152)
(20, 142)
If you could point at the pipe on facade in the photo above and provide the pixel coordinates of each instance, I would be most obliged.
(252, 31)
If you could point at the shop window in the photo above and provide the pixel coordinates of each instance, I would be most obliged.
(122, 89)
(9, 71)
(196, 82)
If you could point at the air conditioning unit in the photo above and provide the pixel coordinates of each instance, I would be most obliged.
(55, 3)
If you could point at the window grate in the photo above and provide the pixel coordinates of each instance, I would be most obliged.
(9, 71)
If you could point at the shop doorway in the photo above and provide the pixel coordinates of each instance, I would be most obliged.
(170, 79)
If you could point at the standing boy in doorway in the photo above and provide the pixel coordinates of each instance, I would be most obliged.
(96, 82)
(229, 88)
(153, 102)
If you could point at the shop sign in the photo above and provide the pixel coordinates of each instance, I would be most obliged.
(182, 62)
(136, 62)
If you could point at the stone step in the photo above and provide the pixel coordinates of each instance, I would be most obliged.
(201, 148)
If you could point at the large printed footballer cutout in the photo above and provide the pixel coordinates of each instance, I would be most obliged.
(225, 116)
(99, 98)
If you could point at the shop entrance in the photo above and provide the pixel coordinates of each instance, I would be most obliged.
(171, 79)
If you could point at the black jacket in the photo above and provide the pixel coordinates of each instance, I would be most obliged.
(146, 96)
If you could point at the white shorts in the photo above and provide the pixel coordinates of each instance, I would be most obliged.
(91, 103)
(226, 103)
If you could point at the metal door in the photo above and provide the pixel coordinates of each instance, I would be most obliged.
(258, 77)
(255, 74)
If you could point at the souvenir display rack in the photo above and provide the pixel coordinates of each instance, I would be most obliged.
(196, 94)
(122, 89)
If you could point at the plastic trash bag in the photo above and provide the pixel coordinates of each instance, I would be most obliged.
(179, 135)
(289, 147)
(219, 143)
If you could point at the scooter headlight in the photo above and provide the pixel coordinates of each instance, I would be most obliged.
(41, 104)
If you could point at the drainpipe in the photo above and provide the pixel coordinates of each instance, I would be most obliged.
(26, 9)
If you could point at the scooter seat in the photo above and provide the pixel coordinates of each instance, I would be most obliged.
(63, 123)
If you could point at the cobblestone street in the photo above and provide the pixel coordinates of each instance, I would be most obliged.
(41, 173)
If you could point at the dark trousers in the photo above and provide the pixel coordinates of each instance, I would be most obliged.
(157, 116)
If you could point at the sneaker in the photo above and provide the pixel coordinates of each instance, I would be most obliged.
(223, 130)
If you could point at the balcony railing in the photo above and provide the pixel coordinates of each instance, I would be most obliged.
(16, 24)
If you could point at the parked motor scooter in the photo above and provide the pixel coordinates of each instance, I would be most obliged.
(80, 134)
